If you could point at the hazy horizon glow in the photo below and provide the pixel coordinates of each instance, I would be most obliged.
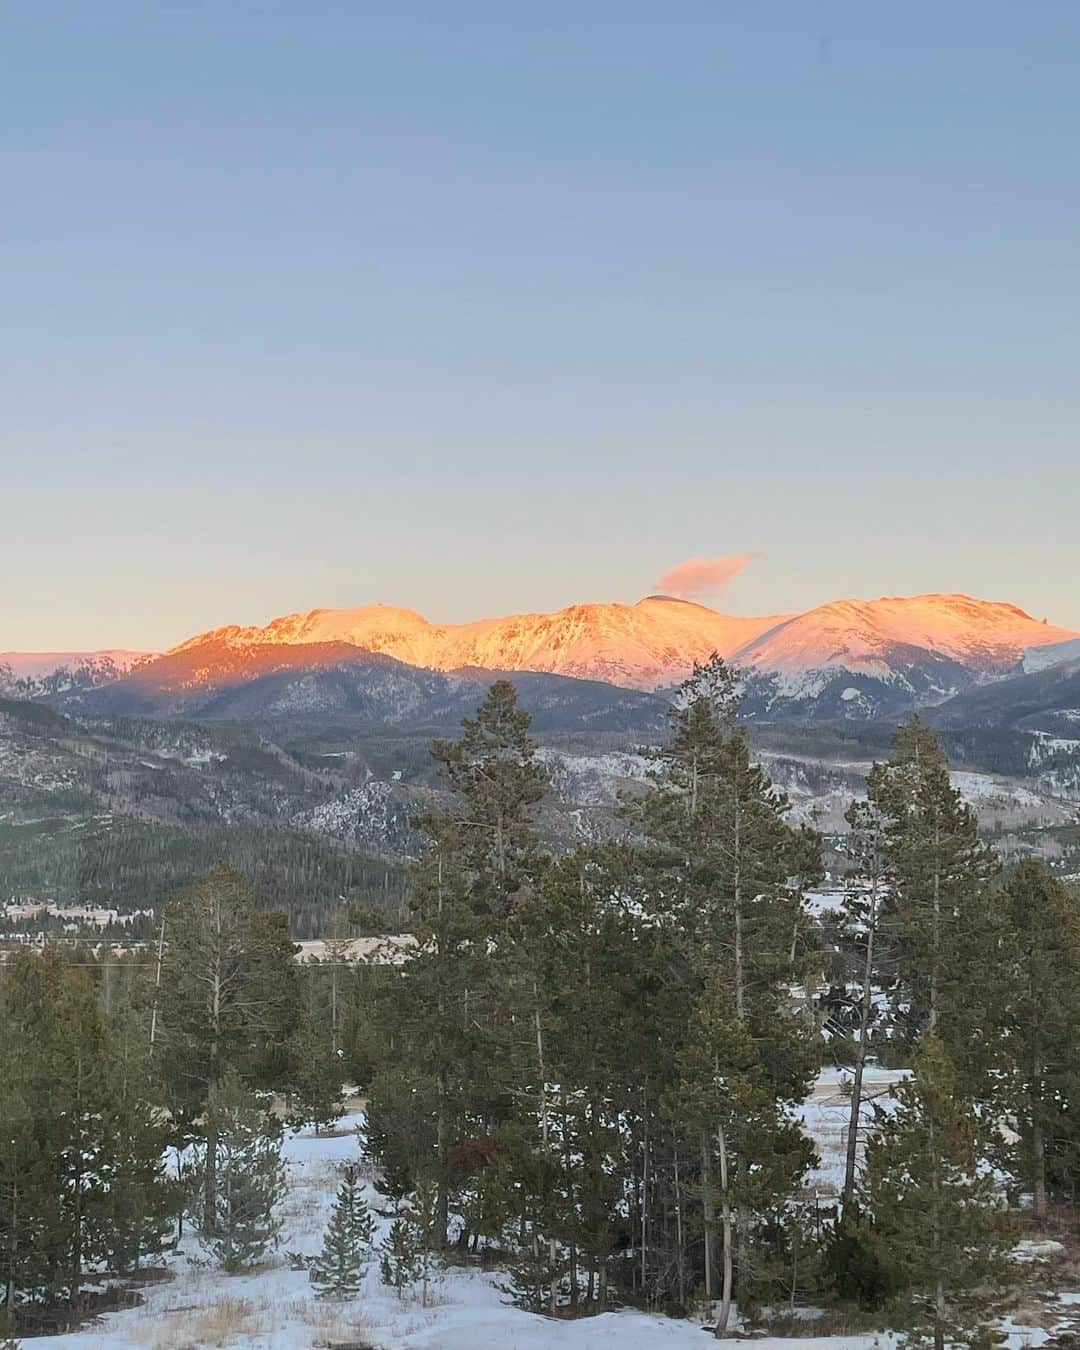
(481, 312)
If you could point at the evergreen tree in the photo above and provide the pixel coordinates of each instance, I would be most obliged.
(725, 854)
(442, 1010)
(399, 1264)
(316, 1076)
(937, 1221)
(140, 1201)
(80, 1150)
(242, 1224)
(274, 999)
(338, 1271)
(937, 867)
(728, 877)
(492, 772)
(227, 991)
(27, 1199)
(753, 1153)
(862, 913)
(1035, 1003)
(423, 1219)
(596, 1019)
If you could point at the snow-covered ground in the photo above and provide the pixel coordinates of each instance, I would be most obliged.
(824, 1117)
(273, 1308)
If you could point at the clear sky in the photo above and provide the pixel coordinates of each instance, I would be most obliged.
(482, 307)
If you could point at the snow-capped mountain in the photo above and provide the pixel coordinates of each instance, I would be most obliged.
(31, 674)
(930, 644)
(925, 646)
(848, 659)
(644, 646)
(33, 665)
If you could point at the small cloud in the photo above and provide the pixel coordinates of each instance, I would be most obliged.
(702, 576)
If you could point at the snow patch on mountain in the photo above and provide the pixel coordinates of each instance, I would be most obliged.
(1040, 658)
(372, 816)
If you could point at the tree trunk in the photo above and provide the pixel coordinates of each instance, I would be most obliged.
(736, 896)
(680, 1252)
(935, 1242)
(644, 1196)
(209, 1223)
(442, 1201)
(13, 1252)
(1038, 1180)
(865, 1009)
(77, 1194)
(545, 1129)
(708, 1213)
(725, 1203)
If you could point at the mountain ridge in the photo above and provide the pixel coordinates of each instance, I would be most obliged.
(655, 642)
(849, 658)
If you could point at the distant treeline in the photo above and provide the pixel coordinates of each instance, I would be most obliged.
(127, 864)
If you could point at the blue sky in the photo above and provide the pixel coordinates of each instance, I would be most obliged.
(477, 308)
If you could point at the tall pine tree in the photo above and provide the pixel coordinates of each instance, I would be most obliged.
(937, 1220)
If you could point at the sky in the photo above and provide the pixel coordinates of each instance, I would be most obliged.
(478, 308)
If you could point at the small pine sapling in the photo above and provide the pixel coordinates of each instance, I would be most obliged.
(408, 1253)
(338, 1271)
(399, 1263)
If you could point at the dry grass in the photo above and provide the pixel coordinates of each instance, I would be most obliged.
(1035, 1312)
(329, 1321)
(210, 1324)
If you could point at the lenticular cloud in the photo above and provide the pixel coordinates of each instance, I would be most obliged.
(702, 576)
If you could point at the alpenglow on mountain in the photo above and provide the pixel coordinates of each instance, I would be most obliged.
(655, 642)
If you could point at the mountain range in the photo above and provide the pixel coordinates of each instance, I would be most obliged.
(849, 658)
(302, 747)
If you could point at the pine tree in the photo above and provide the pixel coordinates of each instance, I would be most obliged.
(728, 874)
(595, 1022)
(423, 1217)
(409, 1249)
(80, 1151)
(140, 1201)
(936, 1219)
(399, 1264)
(442, 1009)
(752, 1151)
(339, 1269)
(228, 995)
(493, 773)
(27, 1198)
(1035, 1004)
(937, 867)
(242, 1224)
(726, 855)
(316, 1076)
(862, 911)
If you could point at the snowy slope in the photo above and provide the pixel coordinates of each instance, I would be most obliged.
(1039, 658)
(271, 1307)
(865, 635)
(34, 665)
(657, 641)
